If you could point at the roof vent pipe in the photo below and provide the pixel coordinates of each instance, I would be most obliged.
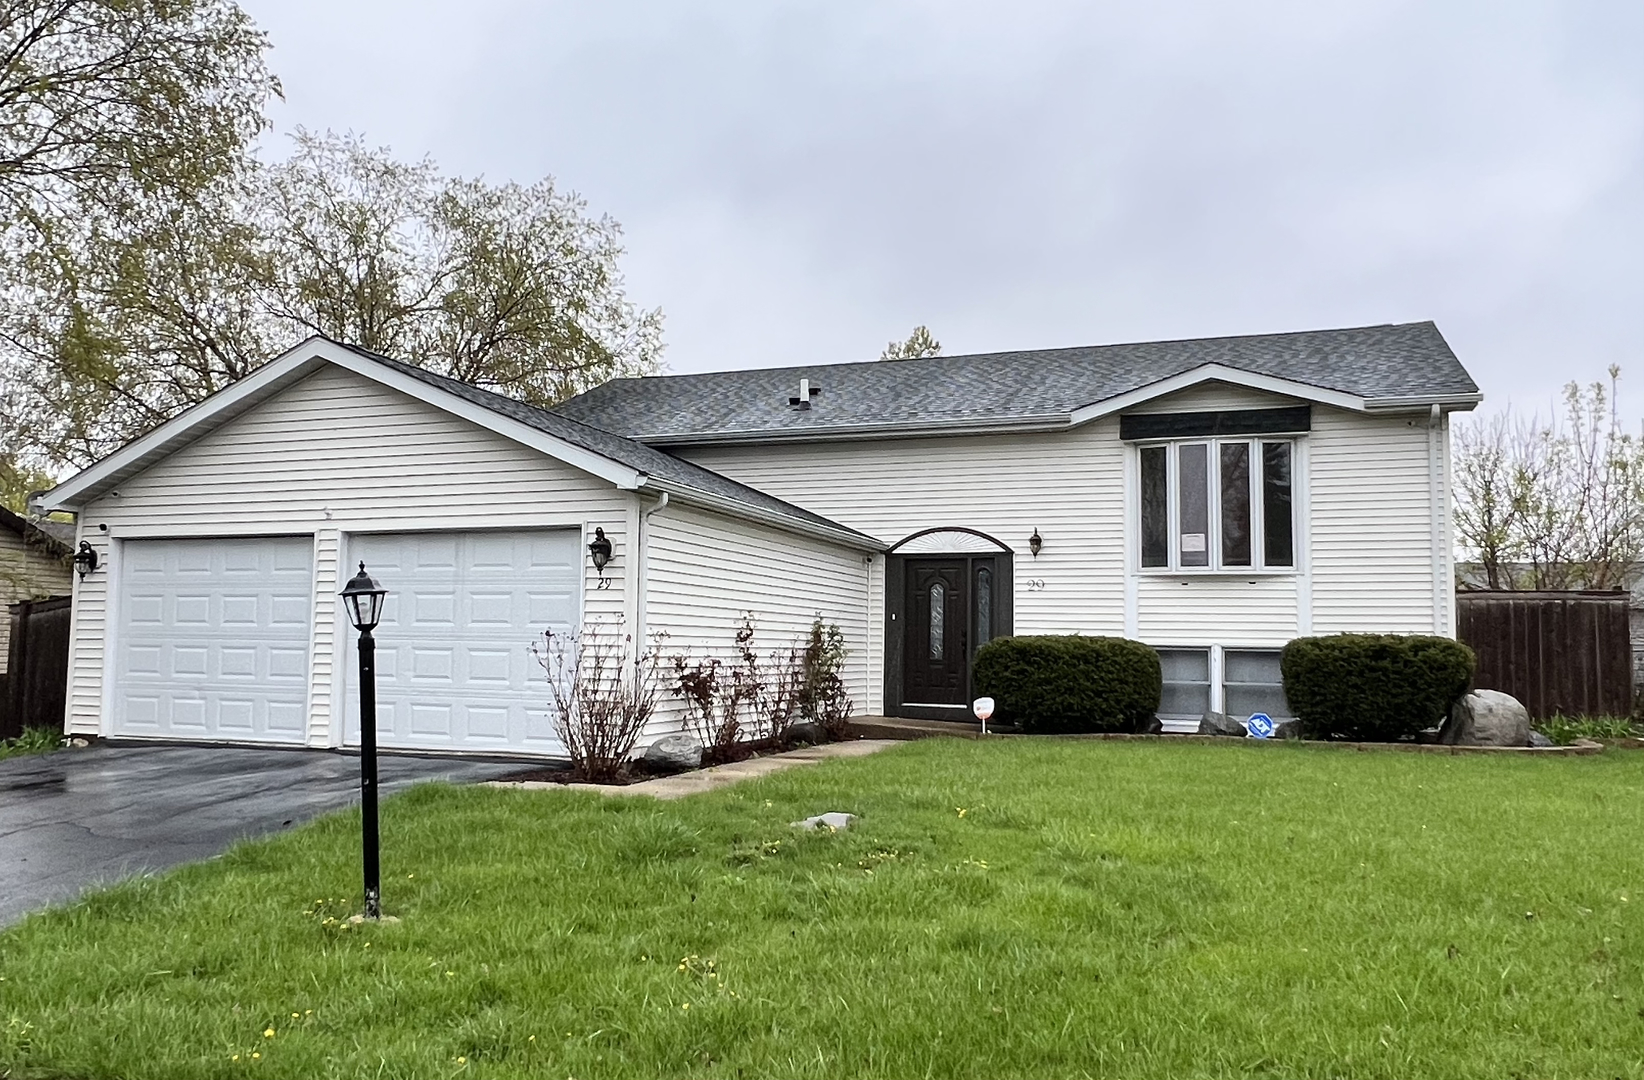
(806, 392)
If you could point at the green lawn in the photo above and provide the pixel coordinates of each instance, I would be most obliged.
(1019, 908)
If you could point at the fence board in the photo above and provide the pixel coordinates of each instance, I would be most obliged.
(36, 666)
(1557, 652)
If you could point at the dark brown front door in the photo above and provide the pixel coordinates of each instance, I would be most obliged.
(935, 661)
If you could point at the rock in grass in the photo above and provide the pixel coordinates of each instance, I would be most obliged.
(1487, 718)
(832, 821)
(1216, 723)
(674, 752)
(1537, 739)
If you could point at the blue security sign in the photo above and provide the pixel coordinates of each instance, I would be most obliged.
(1260, 725)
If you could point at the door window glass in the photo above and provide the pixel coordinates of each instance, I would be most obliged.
(938, 598)
(984, 606)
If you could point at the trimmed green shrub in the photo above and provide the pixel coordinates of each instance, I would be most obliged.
(1069, 683)
(1373, 687)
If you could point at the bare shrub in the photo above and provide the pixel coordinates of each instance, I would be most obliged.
(756, 696)
(604, 694)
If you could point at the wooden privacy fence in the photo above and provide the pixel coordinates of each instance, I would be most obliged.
(1564, 653)
(35, 685)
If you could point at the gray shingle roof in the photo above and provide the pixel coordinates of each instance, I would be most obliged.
(1377, 363)
(635, 455)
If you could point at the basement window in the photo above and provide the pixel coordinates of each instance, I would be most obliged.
(1252, 683)
(1186, 695)
(1216, 504)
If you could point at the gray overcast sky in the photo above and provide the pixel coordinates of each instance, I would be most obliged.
(802, 182)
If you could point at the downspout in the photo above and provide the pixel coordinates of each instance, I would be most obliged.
(1435, 486)
(642, 544)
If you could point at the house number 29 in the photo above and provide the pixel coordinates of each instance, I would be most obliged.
(1035, 584)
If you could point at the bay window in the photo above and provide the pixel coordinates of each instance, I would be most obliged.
(1217, 504)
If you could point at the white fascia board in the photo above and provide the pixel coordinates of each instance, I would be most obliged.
(1217, 373)
(290, 367)
(1447, 402)
(733, 508)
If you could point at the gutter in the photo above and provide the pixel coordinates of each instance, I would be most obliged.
(696, 497)
(642, 592)
(1034, 423)
(1438, 504)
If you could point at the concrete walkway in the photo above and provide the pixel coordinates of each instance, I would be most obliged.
(717, 776)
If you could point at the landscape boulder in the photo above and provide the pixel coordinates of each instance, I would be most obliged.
(1287, 729)
(1151, 726)
(806, 733)
(1540, 741)
(1215, 723)
(674, 752)
(1487, 718)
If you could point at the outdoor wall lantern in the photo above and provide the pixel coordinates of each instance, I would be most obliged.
(364, 597)
(599, 549)
(1035, 542)
(85, 560)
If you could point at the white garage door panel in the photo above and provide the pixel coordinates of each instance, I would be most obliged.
(454, 663)
(212, 639)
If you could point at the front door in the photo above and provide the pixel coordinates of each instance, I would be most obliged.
(935, 657)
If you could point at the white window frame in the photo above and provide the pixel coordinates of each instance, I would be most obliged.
(1213, 538)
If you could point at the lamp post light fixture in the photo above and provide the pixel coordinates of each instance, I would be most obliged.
(85, 560)
(1035, 542)
(599, 549)
(364, 596)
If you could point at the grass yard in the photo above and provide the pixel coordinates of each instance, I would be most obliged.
(1020, 908)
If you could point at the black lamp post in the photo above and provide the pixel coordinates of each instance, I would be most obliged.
(364, 596)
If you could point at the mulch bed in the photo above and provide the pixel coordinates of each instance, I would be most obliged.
(639, 770)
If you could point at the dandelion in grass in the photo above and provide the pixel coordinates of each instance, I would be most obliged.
(269, 1034)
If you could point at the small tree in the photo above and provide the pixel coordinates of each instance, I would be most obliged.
(919, 345)
(1550, 504)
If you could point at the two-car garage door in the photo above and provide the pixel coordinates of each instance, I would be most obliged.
(212, 638)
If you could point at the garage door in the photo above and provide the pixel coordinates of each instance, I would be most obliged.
(211, 639)
(454, 663)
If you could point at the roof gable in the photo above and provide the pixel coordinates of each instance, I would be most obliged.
(624, 463)
(1394, 366)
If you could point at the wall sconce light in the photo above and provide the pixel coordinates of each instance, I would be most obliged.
(1035, 542)
(85, 560)
(599, 549)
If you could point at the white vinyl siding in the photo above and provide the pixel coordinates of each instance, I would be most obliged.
(1372, 524)
(1363, 551)
(333, 453)
(706, 572)
(1068, 485)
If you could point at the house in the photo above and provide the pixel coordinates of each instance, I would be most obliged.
(1214, 498)
(34, 564)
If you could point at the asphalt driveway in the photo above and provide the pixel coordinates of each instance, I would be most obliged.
(77, 818)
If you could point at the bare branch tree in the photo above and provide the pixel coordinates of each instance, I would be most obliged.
(1553, 504)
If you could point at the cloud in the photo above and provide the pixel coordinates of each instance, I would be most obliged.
(805, 181)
